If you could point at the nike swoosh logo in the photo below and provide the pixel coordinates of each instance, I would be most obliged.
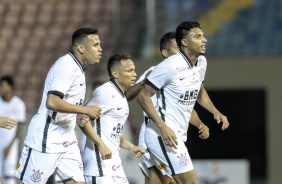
(182, 78)
(119, 108)
(81, 84)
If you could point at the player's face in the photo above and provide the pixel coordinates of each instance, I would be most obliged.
(4, 88)
(126, 74)
(196, 42)
(92, 49)
(173, 48)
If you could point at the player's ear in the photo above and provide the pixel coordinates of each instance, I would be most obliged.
(115, 74)
(184, 43)
(164, 53)
(80, 48)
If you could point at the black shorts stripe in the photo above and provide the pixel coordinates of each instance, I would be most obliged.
(45, 134)
(26, 162)
(93, 180)
(166, 156)
(98, 158)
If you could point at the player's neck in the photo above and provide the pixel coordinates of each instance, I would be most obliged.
(192, 56)
(7, 97)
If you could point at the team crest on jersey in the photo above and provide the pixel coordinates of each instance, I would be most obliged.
(36, 176)
(183, 159)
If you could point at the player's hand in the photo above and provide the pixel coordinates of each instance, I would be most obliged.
(221, 118)
(105, 152)
(94, 111)
(169, 137)
(204, 131)
(82, 119)
(137, 151)
(8, 123)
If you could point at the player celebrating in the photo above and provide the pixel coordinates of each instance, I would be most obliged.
(179, 81)
(102, 160)
(51, 144)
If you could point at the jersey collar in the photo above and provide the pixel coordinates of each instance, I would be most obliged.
(188, 61)
(117, 87)
(71, 53)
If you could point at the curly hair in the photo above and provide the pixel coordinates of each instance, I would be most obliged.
(183, 29)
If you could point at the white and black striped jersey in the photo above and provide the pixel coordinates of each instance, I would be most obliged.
(178, 83)
(110, 98)
(50, 131)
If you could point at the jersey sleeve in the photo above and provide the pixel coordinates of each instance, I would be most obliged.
(101, 98)
(161, 75)
(61, 79)
(142, 77)
(203, 67)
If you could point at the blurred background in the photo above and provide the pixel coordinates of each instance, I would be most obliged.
(243, 79)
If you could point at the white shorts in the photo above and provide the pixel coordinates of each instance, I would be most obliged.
(106, 179)
(168, 160)
(37, 167)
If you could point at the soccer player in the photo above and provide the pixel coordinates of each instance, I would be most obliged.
(179, 83)
(10, 106)
(101, 155)
(51, 144)
(168, 47)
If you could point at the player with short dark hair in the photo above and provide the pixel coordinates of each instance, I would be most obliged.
(178, 80)
(51, 135)
(101, 155)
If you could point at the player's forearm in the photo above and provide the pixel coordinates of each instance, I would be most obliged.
(132, 92)
(205, 101)
(91, 134)
(125, 144)
(195, 120)
(147, 105)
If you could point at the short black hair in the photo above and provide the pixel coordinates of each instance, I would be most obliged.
(9, 79)
(81, 33)
(183, 29)
(116, 60)
(166, 39)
